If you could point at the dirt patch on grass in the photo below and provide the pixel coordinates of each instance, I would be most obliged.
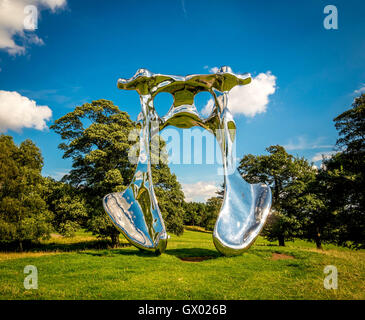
(280, 256)
(19, 255)
(56, 236)
(196, 228)
(194, 259)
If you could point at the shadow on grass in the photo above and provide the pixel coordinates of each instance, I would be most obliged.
(194, 254)
(124, 252)
(185, 254)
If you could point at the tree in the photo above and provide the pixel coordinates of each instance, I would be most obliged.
(278, 171)
(67, 206)
(344, 174)
(170, 197)
(96, 139)
(279, 227)
(212, 209)
(194, 213)
(351, 127)
(305, 204)
(23, 211)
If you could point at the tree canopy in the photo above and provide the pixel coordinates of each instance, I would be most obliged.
(96, 139)
(344, 176)
(24, 215)
(324, 204)
(289, 177)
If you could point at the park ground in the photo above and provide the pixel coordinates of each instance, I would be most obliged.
(84, 268)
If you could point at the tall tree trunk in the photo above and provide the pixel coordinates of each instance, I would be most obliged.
(115, 240)
(276, 191)
(281, 241)
(318, 241)
(20, 245)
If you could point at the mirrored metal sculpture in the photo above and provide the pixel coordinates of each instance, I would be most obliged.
(245, 207)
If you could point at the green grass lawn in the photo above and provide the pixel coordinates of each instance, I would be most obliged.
(77, 269)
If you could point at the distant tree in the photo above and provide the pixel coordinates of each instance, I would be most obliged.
(212, 209)
(170, 198)
(194, 213)
(23, 211)
(67, 205)
(96, 139)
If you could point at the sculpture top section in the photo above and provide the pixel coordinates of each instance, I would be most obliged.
(183, 88)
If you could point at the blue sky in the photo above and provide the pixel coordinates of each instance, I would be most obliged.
(86, 46)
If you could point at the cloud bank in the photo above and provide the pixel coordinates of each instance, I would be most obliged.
(301, 143)
(323, 155)
(17, 112)
(199, 191)
(250, 99)
(12, 19)
(360, 90)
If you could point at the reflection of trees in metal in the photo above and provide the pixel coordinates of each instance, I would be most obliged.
(245, 207)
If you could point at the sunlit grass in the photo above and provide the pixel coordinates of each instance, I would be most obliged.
(68, 270)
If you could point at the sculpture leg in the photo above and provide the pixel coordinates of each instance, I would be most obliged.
(245, 206)
(135, 211)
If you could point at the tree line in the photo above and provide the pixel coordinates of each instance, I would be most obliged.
(323, 205)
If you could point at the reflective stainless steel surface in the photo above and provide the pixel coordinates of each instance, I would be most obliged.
(135, 211)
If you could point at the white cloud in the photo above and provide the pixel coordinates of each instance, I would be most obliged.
(52, 4)
(199, 191)
(57, 175)
(302, 143)
(213, 70)
(323, 155)
(34, 39)
(360, 90)
(249, 99)
(17, 112)
(12, 19)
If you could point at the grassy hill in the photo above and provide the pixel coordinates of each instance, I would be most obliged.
(191, 268)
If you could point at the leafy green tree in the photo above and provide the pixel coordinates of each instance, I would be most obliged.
(305, 203)
(301, 206)
(170, 198)
(67, 205)
(23, 211)
(96, 139)
(280, 227)
(344, 176)
(194, 213)
(277, 170)
(212, 208)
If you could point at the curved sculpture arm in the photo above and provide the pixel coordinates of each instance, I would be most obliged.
(135, 211)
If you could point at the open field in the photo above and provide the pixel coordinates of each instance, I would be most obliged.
(76, 269)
